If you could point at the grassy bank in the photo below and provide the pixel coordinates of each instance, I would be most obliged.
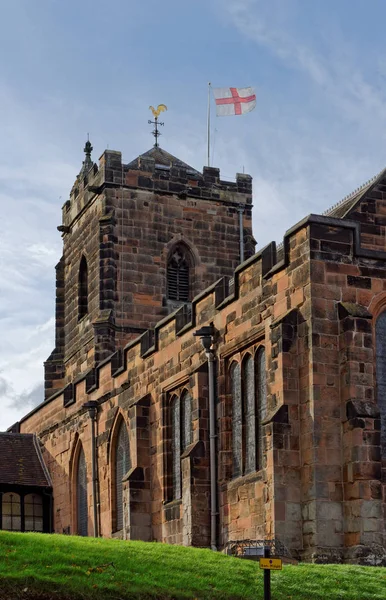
(43, 567)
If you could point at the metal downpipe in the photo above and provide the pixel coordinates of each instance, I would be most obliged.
(92, 408)
(241, 228)
(212, 451)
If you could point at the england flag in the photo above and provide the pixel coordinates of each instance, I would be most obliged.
(234, 101)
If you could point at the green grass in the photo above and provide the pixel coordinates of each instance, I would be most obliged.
(46, 567)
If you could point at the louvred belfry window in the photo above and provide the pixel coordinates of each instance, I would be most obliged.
(178, 275)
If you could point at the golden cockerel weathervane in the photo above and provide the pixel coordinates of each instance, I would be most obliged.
(156, 112)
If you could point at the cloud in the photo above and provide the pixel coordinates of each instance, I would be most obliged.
(315, 135)
(313, 132)
(333, 67)
(25, 400)
(28, 399)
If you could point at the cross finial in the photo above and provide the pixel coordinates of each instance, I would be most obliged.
(156, 112)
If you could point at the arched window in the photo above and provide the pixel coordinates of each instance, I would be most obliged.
(249, 420)
(176, 445)
(178, 274)
(122, 465)
(11, 512)
(380, 336)
(181, 407)
(186, 420)
(33, 512)
(249, 402)
(261, 377)
(237, 419)
(83, 288)
(81, 495)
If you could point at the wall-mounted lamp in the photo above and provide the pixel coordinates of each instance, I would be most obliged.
(206, 336)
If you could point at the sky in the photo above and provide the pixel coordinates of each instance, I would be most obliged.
(81, 66)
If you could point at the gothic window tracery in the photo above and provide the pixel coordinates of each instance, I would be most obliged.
(176, 446)
(178, 274)
(249, 414)
(261, 388)
(237, 419)
(181, 434)
(81, 495)
(83, 288)
(249, 396)
(186, 420)
(122, 466)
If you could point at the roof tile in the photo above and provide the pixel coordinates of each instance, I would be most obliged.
(21, 462)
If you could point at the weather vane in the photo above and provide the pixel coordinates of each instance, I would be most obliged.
(156, 112)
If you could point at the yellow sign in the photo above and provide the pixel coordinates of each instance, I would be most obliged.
(273, 564)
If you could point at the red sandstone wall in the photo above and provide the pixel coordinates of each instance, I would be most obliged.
(319, 489)
(125, 221)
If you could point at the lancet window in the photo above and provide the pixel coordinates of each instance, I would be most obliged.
(83, 288)
(181, 435)
(249, 395)
(81, 495)
(122, 466)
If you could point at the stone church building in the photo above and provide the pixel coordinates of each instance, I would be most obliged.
(199, 393)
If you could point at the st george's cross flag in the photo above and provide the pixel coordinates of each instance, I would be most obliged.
(234, 101)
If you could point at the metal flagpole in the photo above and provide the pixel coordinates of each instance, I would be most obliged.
(208, 136)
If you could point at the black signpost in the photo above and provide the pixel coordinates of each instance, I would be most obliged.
(269, 564)
(267, 576)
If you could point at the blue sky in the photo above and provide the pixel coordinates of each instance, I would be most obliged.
(318, 131)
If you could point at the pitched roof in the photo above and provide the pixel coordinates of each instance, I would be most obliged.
(21, 461)
(342, 208)
(161, 157)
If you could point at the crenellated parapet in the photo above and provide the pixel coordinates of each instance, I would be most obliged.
(318, 487)
(263, 265)
(169, 176)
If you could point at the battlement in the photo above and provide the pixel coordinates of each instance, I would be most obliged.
(269, 264)
(155, 171)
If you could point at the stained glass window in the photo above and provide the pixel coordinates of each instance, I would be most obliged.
(81, 489)
(261, 374)
(176, 446)
(380, 332)
(186, 420)
(250, 414)
(237, 424)
(122, 465)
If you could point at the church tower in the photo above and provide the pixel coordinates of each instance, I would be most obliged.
(139, 241)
